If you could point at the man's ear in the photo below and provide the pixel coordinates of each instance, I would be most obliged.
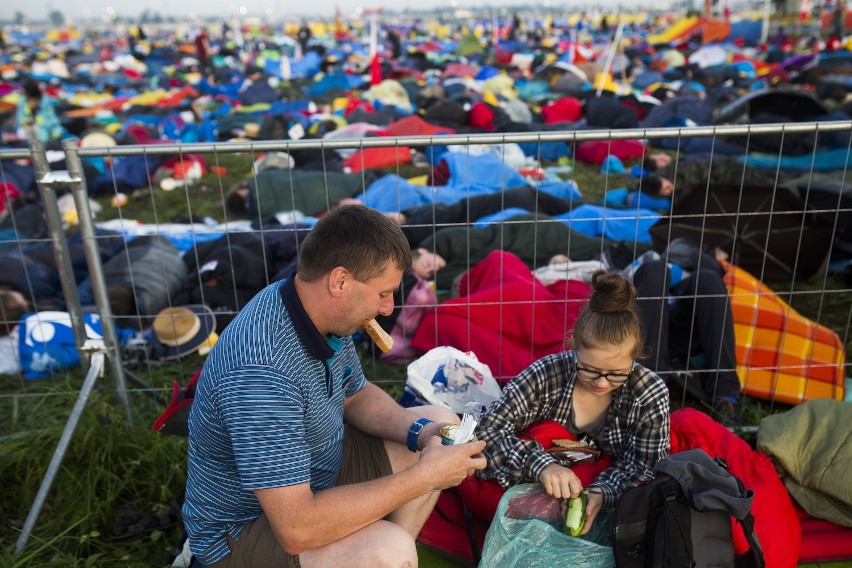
(338, 279)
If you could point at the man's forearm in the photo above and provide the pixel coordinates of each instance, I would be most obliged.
(374, 412)
(332, 514)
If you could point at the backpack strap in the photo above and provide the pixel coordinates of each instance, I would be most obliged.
(666, 502)
(754, 557)
(679, 516)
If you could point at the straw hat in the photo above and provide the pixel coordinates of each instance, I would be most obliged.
(251, 130)
(182, 330)
(97, 140)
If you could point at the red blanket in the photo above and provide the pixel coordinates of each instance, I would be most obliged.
(776, 523)
(509, 320)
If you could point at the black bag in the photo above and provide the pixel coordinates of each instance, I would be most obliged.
(683, 517)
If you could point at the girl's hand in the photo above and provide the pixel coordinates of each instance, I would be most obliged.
(560, 482)
(593, 507)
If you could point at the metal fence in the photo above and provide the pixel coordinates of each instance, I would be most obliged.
(793, 239)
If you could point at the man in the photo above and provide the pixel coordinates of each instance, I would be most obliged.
(274, 475)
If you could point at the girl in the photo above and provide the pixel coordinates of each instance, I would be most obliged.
(598, 392)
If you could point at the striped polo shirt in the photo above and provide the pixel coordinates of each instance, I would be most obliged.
(268, 412)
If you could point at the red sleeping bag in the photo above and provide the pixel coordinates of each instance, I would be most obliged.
(775, 520)
(596, 151)
(378, 158)
(823, 541)
(509, 320)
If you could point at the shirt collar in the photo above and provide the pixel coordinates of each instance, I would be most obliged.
(313, 340)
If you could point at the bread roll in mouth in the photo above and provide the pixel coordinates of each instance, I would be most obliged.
(377, 334)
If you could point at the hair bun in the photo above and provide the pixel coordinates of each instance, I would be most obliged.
(613, 292)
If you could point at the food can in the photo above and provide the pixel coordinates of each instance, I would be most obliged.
(448, 435)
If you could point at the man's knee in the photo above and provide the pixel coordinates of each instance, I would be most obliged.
(382, 544)
(397, 548)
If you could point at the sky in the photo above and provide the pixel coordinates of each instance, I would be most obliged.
(39, 9)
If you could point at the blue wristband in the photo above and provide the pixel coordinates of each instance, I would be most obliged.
(414, 433)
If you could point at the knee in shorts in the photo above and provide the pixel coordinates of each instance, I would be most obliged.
(398, 548)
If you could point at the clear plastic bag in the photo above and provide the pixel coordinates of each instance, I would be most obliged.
(540, 540)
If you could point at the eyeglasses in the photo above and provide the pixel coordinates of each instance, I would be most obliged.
(590, 375)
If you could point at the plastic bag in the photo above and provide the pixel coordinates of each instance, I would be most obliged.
(534, 542)
(46, 342)
(447, 377)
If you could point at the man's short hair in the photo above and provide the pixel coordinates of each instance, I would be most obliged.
(358, 238)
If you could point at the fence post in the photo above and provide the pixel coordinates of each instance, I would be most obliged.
(46, 182)
(96, 274)
(95, 350)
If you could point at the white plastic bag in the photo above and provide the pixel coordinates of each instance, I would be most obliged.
(450, 378)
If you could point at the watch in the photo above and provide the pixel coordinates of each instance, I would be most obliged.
(414, 433)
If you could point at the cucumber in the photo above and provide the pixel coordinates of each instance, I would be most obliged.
(575, 518)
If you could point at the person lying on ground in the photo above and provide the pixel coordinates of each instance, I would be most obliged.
(598, 392)
(295, 458)
(675, 177)
(420, 223)
(684, 308)
(534, 238)
(414, 297)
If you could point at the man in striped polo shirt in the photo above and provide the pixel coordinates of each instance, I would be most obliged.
(294, 458)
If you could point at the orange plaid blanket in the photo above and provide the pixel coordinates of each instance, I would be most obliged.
(781, 355)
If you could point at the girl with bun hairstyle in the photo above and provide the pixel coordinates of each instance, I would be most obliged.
(598, 392)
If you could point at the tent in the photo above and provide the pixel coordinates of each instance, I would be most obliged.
(787, 104)
(833, 200)
(765, 231)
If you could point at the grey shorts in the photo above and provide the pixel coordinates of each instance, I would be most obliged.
(364, 459)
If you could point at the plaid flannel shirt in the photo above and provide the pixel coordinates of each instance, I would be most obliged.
(635, 435)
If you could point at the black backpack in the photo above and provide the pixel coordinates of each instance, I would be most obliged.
(683, 517)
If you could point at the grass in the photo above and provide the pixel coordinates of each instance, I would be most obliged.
(202, 199)
(115, 469)
(110, 467)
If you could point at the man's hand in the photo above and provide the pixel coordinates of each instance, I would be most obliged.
(560, 482)
(447, 466)
(431, 430)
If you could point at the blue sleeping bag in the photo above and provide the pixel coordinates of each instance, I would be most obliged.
(616, 224)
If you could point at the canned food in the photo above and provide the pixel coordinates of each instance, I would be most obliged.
(448, 435)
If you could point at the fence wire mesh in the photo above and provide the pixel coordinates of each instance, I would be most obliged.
(212, 224)
(737, 238)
